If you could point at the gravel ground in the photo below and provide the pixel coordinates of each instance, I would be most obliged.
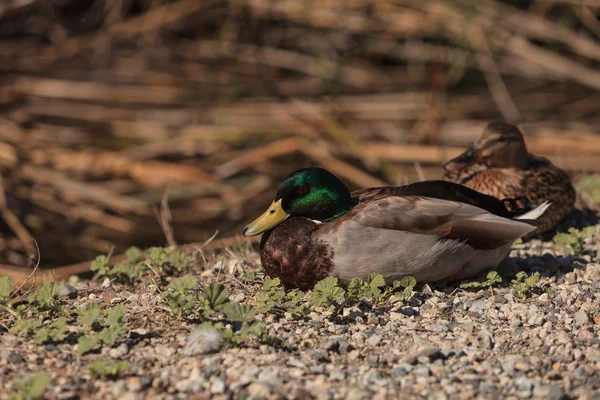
(440, 343)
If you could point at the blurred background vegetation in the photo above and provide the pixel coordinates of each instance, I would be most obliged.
(147, 122)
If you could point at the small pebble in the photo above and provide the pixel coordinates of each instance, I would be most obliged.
(581, 317)
(66, 291)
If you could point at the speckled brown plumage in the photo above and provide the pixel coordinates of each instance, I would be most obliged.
(498, 164)
(289, 252)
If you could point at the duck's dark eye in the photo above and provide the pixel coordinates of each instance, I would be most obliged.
(302, 189)
(272, 212)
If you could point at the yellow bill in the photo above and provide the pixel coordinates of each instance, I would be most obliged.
(271, 218)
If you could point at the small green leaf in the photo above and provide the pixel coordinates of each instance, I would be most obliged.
(408, 282)
(176, 295)
(325, 292)
(183, 284)
(356, 287)
(27, 326)
(5, 289)
(574, 240)
(238, 312)
(271, 283)
(492, 278)
(109, 336)
(271, 296)
(55, 331)
(133, 254)
(108, 370)
(86, 343)
(100, 265)
(115, 316)
(533, 279)
(89, 315)
(216, 296)
(44, 297)
(523, 283)
(589, 231)
(374, 283)
(34, 387)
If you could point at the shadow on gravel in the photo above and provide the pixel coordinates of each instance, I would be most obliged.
(549, 265)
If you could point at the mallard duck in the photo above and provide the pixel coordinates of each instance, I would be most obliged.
(430, 230)
(499, 165)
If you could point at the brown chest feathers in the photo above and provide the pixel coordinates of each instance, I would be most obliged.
(289, 253)
(541, 181)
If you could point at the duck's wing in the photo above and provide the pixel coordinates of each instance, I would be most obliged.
(438, 190)
(448, 219)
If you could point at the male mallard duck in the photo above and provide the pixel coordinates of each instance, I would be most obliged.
(430, 230)
(498, 164)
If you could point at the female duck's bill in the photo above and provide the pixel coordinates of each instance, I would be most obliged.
(269, 219)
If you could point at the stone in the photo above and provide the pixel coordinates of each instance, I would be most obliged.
(66, 291)
(259, 390)
(373, 340)
(355, 393)
(432, 353)
(118, 351)
(15, 358)
(556, 393)
(581, 317)
(217, 387)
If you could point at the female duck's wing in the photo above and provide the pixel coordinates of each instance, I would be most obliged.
(471, 225)
(438, 190)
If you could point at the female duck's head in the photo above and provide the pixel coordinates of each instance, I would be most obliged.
(500, 145)
(312, 193)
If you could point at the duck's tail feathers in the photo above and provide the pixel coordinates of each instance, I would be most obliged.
(531, 215)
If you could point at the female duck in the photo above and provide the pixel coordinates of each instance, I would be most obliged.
(430, 230)
(499, 165)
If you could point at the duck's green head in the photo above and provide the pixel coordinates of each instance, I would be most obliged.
(313, 193)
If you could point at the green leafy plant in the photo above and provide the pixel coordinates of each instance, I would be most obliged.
(244, 314)
(168, 261)
(27, 326)
(5, 289)
(326, 292)
(112, 329)
(252, 275)
(274, 299)
(114, 326)
(165, 261)
(176, 296)
(88, 318)
(89, 315)
(271, 295)
(238, 337)
(45, 297)
(100, 265)
(214, 298)
(523, 283)
(373, 286)
(108, 370)
(130, 269)
(591, 186)
(238, 312)
(407, 284)
(32, 388)
(574, 239)
(491, 279)
(53, 332)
